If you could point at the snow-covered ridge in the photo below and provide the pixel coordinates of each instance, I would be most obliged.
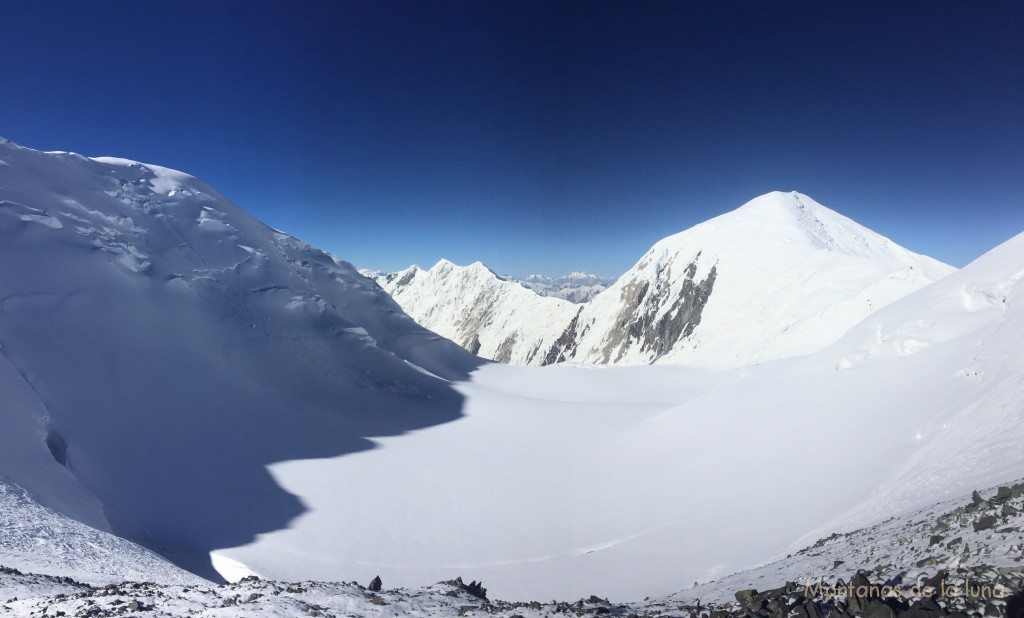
(159, 347)
(780, 276)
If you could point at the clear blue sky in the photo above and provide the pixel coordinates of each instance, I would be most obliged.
(541, 136)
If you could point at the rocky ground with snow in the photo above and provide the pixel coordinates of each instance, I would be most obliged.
(951, 559)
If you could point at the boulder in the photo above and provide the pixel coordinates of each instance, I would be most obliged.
(985, 523)
(375, 585)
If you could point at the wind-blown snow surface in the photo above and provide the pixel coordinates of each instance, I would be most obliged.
(634, 481)
(782, 276)
(159, 348)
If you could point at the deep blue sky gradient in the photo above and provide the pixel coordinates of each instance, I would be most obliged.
(541, 136)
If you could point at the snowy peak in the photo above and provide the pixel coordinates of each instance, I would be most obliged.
(779, 276)
(444, 266)
(580, 275)
(474, 307)
(779, 218)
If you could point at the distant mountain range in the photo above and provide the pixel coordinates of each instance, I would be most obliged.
(781, 276)
(575, 287)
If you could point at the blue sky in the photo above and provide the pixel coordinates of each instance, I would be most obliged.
(541, 136)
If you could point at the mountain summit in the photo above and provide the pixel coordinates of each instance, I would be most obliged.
(780, 276)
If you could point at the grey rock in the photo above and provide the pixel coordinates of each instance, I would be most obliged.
(878, 609)
(985, 523)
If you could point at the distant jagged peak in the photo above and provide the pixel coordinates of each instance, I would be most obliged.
(445, 265)
(479, 266)
(574, 277)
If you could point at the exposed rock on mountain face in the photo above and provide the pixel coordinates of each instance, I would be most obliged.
(644, 322)
(781, 276)
(565, 346)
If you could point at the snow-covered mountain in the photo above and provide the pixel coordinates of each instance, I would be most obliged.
(779, 277)
(490, 316)
(178, 374)
(159, 347)
(577, 287)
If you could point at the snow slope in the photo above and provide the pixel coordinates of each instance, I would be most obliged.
(636, 481)
(159, 348)
(782, 276)
(38, 539)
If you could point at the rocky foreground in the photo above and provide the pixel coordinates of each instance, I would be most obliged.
(948, 560)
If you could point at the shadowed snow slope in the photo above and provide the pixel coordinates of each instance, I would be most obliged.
(779, 277)
(159, 348)
(36, 538)
(567, 481)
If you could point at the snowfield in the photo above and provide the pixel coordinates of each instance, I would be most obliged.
(185, 386)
